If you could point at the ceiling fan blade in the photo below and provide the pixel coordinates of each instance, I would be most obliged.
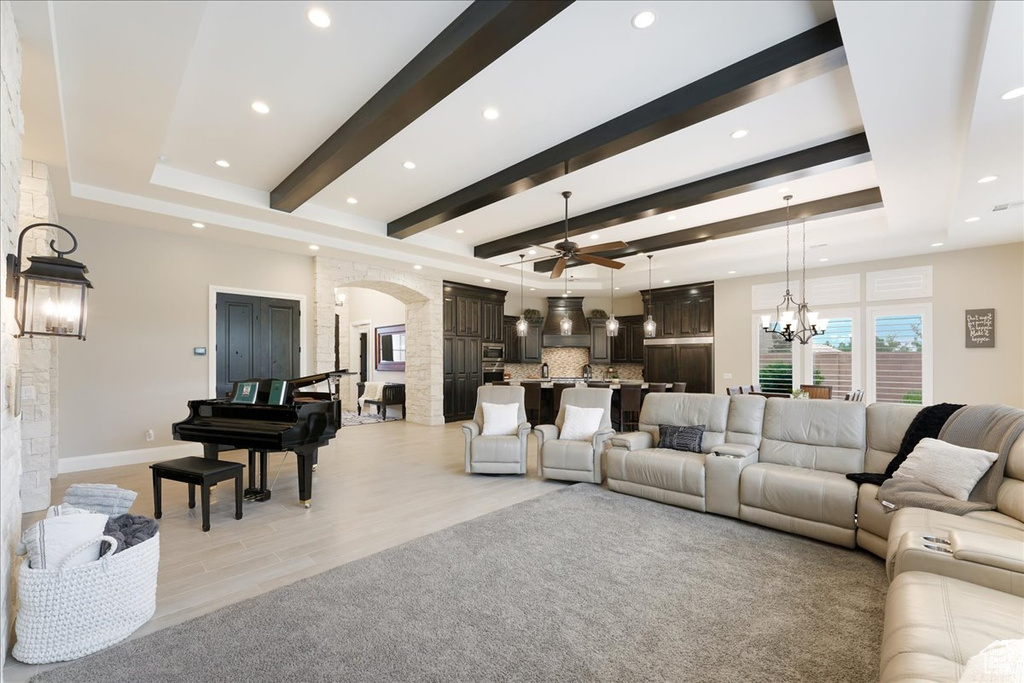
(607, 246)
(541, 246)
(556, 272)
(529, 260)
(601, 261)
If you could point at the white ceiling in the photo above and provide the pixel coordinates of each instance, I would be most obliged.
(134, 81)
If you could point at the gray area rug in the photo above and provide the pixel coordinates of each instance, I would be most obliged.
(578, 585)
(350, 418)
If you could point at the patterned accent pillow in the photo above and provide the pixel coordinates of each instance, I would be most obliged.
(681, 438)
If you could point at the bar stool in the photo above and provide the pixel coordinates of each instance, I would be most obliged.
(556, 396)
(630, 401)
(657, 387)
(678, 387)
(531, 401)
(599, 385)
(202, 472)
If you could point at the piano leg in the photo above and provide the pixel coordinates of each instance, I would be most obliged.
(305, 458)
(254, 492)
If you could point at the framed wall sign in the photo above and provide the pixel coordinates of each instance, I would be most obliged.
(980, 328)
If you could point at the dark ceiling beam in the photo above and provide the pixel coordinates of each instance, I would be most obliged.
(819, 159)
(807, 55)
(852, 202)
(484, 32)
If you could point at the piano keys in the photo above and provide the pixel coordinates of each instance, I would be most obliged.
(302, 423)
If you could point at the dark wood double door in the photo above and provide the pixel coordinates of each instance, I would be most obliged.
(690, 363)
(256, 337)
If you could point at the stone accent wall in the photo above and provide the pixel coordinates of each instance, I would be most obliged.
(422, 296)
(11, 129)
(569, 362)
(38, 354)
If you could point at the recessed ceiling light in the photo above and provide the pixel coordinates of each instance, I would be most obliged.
(665, 282)
(533, 289)
(972, 219)
(737, 134)
(198, 225)
(223, 163)
(314, 247)
(532, 252)
(937, 244)
(823, 260)
(1013, 94)
(594, 236)
(318, 17)
(487, 279)
(783, 190)
(260, 107)
(643, 19)
(988, 179)
(491, 113)
(732, 272)
(352, 200)
(618, 288)
(417, 267)
(460, 231)
(672, 217)
(565, 295)
(409, 165)
(569, 292)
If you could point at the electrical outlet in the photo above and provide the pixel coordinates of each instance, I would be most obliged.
(149, 435)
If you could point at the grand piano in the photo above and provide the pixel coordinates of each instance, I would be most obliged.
(280, 417)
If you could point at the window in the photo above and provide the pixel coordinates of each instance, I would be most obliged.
(774, 361)
(833, 360)
(900, 357)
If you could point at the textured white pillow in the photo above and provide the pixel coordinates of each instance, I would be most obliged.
(52, 540)
(500, 419)
(581, 423)
(953, 470)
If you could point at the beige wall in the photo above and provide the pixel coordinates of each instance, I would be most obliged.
(990, 277)
(149, 308)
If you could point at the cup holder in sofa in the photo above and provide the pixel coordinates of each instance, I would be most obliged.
(934, 539)
(938, 548)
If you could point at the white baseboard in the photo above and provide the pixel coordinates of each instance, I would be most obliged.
(142, 455)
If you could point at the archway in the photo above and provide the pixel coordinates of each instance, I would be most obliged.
(422, 297)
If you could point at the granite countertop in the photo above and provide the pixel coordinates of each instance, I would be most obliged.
(549, 383)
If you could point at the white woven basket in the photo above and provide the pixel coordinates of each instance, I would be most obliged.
(69, 613)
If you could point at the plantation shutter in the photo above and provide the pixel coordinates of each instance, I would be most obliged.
(775, 363)
(898, 355)
(832, 357)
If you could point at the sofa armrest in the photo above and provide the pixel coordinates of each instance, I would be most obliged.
(545, 433)
(471, 429)
(1001, 553)
(600, 439)
(523, 430)
(735, 450)
(633, 441)
(723, 468)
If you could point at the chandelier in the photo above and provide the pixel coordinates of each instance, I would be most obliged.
(650, 327)
(795, 320)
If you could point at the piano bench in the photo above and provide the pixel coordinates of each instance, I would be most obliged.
(201, 472)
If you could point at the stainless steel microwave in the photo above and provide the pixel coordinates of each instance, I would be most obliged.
(493, 352)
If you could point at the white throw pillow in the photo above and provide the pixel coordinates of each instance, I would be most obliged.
(52, 540)
(581, 423)
(500, 419)
(953, 470)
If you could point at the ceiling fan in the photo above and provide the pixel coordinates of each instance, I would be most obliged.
(568, 249)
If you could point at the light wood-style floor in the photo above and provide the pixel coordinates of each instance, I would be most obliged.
(376, 486)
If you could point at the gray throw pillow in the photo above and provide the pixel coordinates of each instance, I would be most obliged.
(681, 438)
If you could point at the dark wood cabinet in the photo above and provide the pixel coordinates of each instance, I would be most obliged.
(513, 351)
(628, 345)
(684, 311)
(531, 348)
(690, 363)
(472, 316)
(600, 342)
(705, 312)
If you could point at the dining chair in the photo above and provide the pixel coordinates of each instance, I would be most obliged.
(734, 391)
(531, 401)
(599, 385)
(657, 387)
(630, 402)
(678, 387)
(755, 388)
(746, 390)
(500, 384)
(817, 390)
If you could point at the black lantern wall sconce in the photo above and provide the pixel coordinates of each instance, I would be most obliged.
(51, 295)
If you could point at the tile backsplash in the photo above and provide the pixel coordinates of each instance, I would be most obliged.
(569, 362)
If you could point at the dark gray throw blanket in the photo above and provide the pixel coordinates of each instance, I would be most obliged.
(128, 530)
(927, 424)
(992, 428)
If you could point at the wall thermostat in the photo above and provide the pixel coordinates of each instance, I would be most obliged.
(199, 350)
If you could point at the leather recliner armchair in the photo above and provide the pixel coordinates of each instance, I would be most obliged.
(496, 454)
(575, 460)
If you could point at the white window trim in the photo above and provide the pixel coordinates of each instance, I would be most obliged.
(755, 356)
(856, 354)
(927, 343)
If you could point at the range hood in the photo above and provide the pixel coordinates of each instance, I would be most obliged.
(559, 306)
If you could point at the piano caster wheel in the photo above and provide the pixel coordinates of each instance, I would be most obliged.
(305, 504)
(315, 466)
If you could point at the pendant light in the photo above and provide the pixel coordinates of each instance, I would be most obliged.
(611, 326)
(650, 327)
(522, 326)
(565, 324)
(794, 320)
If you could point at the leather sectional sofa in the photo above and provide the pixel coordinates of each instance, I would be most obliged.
(957, 583)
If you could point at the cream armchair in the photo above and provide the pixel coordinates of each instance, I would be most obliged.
(575, 460)
(496, 454)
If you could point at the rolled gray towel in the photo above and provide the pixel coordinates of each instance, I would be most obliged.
(129, 530)
(108, 499)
